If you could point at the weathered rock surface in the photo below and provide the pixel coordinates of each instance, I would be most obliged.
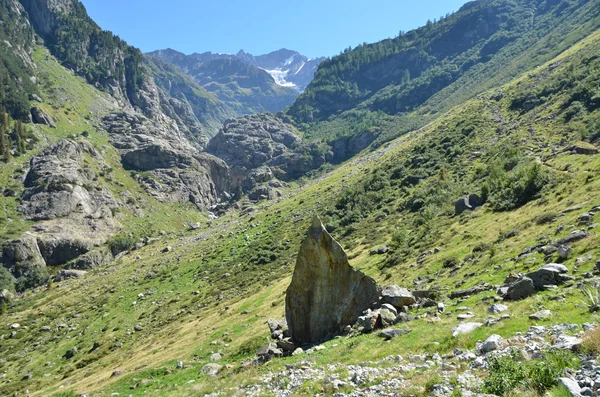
(175, 169)
(59, 185)
(469, 202)
(38, 116)
(397, 296)
(551, 274)
(74, 212)
(326, 293)
(465, 328)
(520, 289)
(23, 255)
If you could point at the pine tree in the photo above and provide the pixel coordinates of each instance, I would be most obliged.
(4, 142)
(19, 137)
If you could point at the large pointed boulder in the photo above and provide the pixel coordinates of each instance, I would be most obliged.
(326, 294)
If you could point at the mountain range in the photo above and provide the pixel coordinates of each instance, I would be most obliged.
(152, 210)
(246, 83)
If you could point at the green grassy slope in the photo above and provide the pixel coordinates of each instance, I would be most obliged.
(218, 285)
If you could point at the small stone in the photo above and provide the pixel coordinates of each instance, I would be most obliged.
(497, 308)
(215, 357)
(571, 385)
(389, 334)
(494, 342)
(465, 328)
(541, 315)
(212, 369)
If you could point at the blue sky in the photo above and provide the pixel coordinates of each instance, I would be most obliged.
(312, 27)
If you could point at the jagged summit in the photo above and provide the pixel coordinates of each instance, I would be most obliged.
(288, 68)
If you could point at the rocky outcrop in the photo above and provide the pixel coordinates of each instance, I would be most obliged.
(174, 170)
(38, 116)
(74, 211)
(326, 294)
(23, 255)
(469, 202)
(59, 185)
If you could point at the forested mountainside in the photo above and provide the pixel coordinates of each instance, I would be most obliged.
(411, 79)
(146, 248)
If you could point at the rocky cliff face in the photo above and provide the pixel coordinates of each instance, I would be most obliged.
(261, 149)
(74, 211)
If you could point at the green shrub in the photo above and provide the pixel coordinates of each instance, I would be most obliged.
(121, 243)
(510, 190)
(36, 277)
(545, 218)
(507, 373)
(7, 281)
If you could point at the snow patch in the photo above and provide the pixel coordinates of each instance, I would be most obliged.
(290, 60)
(279, 76)
(300, 68)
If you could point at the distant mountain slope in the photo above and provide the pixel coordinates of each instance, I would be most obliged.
(426, 71)
(112, 65)
(237, 81)
(288, 68)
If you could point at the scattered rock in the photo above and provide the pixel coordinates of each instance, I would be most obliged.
(469, 202)
(70, 353)
(520, 289)
(571, 385)
(497, 308)
(212, 369)
(398, 297)
(38, 116)
(389, 334)
(567, 342)
(216, 357)
(541, 315)
(494, 342)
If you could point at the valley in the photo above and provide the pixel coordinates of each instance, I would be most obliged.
(153, 212)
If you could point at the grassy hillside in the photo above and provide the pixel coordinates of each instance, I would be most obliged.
(135, 319)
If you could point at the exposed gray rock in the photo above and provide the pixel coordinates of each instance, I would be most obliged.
(21, 256)
(397, 296)
(212, 369)
(471, 291)
(269, 351)
(326, 294)
(67, 274)
(497, 308)
(389, 334)
(567, 342)
(38, 116)
(92, 260)
(493, 342)
(387, 317)
(367, 322)
(551, 274)
(465, 328)
(520, 289)
(571, 385)
(59, 185)
(541, 315)
(469, 202)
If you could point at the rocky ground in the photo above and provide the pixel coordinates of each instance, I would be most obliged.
(459, 370)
